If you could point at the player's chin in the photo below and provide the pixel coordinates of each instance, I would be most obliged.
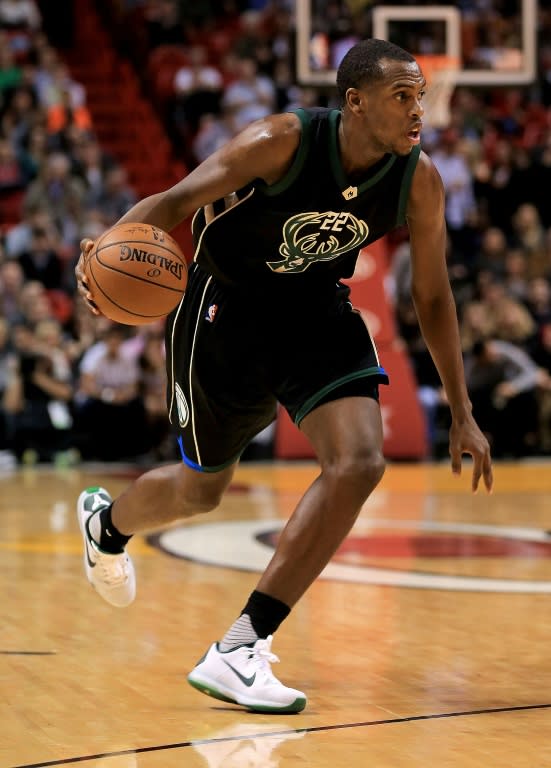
(402, 149)
(406, 143)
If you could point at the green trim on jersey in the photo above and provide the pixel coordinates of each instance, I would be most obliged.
(406, 185)
(298, 163)
(334, 154)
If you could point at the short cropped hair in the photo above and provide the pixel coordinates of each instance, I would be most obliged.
(362, 64)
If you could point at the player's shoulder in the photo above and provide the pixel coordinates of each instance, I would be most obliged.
(426, 171)
(280, 124)
(427, 190)
(277, 133)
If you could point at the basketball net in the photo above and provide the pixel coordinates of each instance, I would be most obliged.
(441, 75)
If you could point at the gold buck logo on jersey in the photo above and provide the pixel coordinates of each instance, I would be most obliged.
(311, 237)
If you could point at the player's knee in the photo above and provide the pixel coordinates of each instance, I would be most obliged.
(202, 496)
(357, 473)
(369, 469)
(202, 504)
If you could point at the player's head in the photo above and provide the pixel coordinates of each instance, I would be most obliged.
(381, 88)
(363, 64)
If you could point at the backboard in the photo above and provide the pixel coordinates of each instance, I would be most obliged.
(493, 47)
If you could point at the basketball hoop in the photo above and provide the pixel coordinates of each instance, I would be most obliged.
(441, 75)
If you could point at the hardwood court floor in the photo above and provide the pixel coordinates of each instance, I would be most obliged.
(426, 643)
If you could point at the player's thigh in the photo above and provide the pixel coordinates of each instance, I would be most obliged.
(347, 430)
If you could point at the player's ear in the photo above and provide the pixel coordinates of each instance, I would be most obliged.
(355, 100)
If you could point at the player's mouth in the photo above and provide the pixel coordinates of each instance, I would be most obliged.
(414, 134)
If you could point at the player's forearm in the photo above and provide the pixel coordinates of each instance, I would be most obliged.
(438, 323)
(153, 210)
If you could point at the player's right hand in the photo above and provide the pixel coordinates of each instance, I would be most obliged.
(86, 246)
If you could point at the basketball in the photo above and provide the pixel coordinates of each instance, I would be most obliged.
(136, 273)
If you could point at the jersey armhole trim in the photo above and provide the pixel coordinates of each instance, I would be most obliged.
(406, 185)
(296, 167)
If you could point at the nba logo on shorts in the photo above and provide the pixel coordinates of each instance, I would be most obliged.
(211, 313)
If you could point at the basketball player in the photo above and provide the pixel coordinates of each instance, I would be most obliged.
(281, 212)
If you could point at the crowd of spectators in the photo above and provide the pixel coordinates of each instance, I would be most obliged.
(70, 384)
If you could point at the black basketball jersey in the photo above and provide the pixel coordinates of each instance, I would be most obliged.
(305, 231)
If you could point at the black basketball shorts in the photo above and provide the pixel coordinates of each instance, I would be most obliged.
(232, 356)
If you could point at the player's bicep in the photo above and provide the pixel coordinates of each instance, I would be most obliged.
(264, 150)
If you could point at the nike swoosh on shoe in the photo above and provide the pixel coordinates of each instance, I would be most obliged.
(248, 681)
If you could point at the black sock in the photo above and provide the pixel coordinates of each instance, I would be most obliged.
(266, 613)
(110, 538)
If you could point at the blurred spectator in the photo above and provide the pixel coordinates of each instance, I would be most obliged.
(492, 252)
(11, 73)
(39, 404)
(454, 169)
(8, 365)
(34, 150)
(12, 172)
(538, 300)
(502, 381)
(34, 303)
(111, 418)
(476, 324)
(529, 235)
(541, 177)
(61, 193)
(512, 321)
(252, 42)
(11, 285)
(116, 197)
(91, 163)
(494, 188)
(60, 26)
(516, 274)
(163, 23)
(51, 341)
(250, 96)
(20, 15)
(47, 61)
(198, 91)
(213, 132)
(18, 238)
(20, 115)
(41, 261)
(151, 361)
(64, 101)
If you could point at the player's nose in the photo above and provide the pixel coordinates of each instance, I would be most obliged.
(417, 109)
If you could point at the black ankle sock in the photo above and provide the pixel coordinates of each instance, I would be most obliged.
(111, 539)
(266, 613)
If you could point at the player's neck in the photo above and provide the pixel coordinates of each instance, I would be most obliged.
(356, 153)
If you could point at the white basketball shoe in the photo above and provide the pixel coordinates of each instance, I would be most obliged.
(244, 676)
(111, 575)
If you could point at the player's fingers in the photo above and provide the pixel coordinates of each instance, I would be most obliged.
(488, 473)
(455, 455)
(86, 245)
(82, 285)
(477, 472)
(89, 301)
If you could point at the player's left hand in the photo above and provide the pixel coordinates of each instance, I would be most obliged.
(466, 437)
(82, 286)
